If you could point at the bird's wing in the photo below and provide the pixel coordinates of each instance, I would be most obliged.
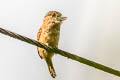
(38, 37)
(39, 33)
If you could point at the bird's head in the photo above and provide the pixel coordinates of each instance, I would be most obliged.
(53, 17)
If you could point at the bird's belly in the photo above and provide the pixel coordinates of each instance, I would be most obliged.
(50, 38)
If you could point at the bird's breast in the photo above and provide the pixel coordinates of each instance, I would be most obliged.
(50, 36)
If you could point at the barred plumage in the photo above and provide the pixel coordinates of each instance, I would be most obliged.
(49, 34)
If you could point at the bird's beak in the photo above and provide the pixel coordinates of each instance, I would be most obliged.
(62, 18)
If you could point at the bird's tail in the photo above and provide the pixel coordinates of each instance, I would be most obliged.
(51, 68)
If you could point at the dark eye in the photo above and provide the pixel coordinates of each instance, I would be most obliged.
(53, 15)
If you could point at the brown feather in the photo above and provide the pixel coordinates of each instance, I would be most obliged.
(51, 68)
(38, 37)
(49, 35)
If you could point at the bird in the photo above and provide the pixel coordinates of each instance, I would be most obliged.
(49, 34)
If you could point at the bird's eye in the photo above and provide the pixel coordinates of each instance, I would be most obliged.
(53, 15)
